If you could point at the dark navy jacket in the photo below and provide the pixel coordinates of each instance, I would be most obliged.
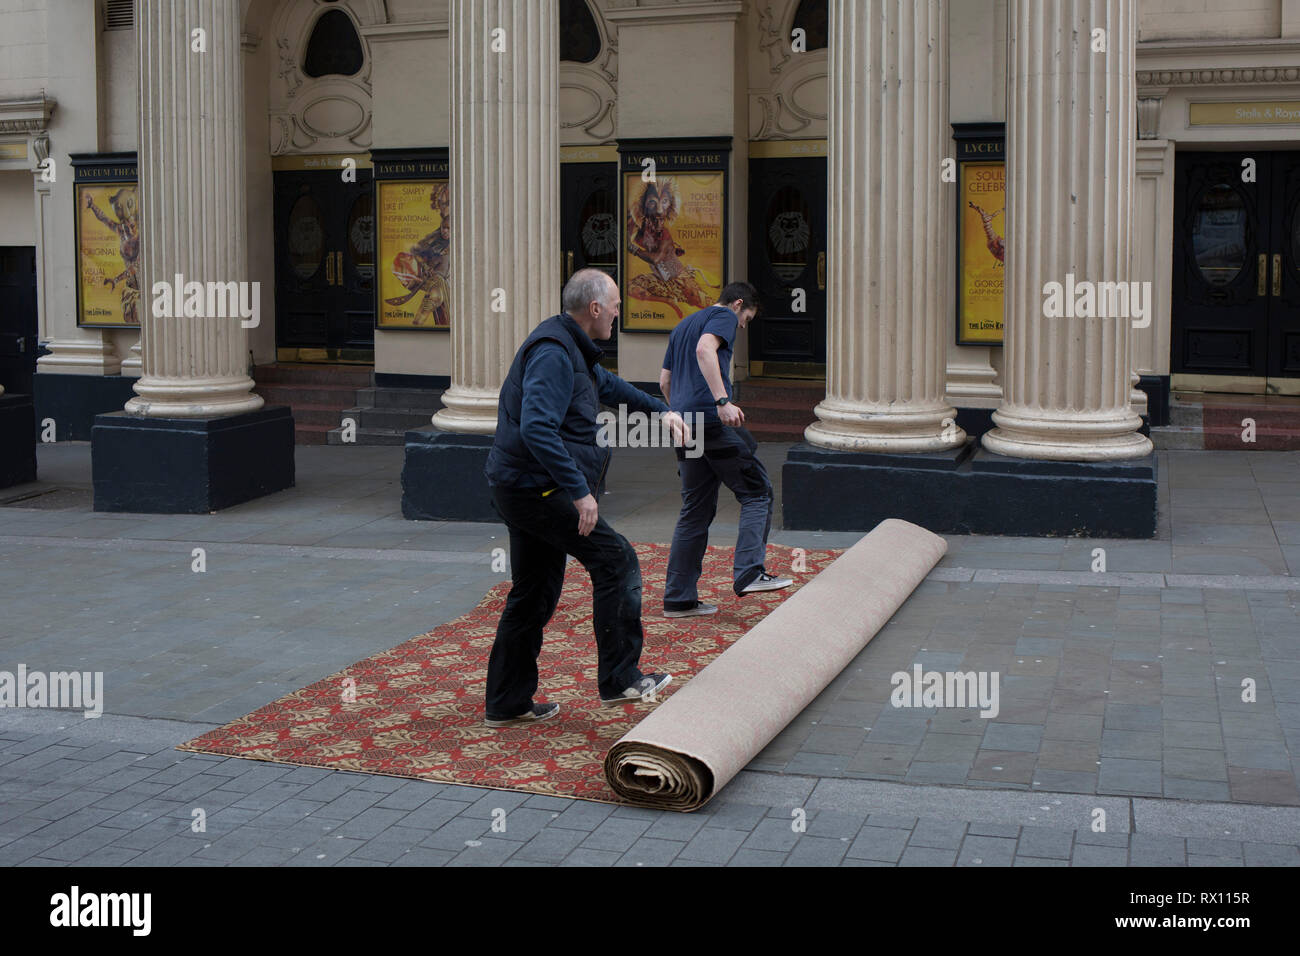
(546, 412)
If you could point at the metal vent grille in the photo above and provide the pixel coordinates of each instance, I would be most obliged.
(119, 14)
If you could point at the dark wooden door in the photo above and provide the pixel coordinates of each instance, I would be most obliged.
(589, 232)
(787, 260)
(1223, 238)
(1284, 268)
(325, 262)
(17, 318)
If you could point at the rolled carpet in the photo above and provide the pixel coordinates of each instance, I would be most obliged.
(689, 747)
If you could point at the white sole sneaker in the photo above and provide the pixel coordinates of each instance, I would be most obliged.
(664, 681)
(771, 584)
(700, 610)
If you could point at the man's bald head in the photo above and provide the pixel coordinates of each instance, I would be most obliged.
(591, 297)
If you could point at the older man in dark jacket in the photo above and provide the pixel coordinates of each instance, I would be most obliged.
(544, 468)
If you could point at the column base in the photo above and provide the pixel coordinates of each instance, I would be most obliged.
(442, 477)
(73, 401)
(969, 491)
(190, 465)
(17, 440)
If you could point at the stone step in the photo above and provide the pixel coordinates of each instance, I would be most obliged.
(328, 415)
(388, 419)
(765, 411)
(1177, 437)
(419, 399)
(310, 434)
(786, 391)
(369, 436)
(778, 432)
(294, 395)
(1185, 414)
(279, 373)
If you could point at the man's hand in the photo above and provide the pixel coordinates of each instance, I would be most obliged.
(731, 414)
(681, 434)
(586, 514)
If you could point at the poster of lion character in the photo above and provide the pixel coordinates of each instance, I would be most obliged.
(108, 254)
(674, 246)
(415, 254)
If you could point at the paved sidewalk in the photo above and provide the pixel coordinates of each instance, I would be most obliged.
(1121, 690)
(112, 792)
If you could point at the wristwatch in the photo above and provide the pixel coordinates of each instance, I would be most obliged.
(722, 401)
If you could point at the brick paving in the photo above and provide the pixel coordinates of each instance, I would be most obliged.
(1122, 691)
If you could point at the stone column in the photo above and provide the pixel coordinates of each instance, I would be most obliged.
(888, 284)
(505, 174)
(74, 80)
(193, 217)
(1071, 127)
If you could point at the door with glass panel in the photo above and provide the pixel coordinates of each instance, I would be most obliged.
(589, 228)
(1236, 269)
(787, 264)
(324, 266)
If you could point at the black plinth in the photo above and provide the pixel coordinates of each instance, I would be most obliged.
(73, 401)
(17, 440)
(968, 491)
(190, 466)
(442, 478)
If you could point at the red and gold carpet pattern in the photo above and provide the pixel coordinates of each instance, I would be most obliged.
(417, 710)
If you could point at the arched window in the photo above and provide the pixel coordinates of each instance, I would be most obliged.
(813, 17)
(334, 47)
(579, 35)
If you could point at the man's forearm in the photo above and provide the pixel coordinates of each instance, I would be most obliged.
(708, 361)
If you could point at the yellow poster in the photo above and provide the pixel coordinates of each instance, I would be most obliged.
(414, 254)
(983, 250)
(673, 255)
(108, 254)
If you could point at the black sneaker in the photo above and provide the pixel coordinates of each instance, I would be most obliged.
(700, 610)
(645, 689)
(539, 712)
(766, 582)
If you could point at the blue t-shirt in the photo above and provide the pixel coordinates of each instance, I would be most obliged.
(688, 389)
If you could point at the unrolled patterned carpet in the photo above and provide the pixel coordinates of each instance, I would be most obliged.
(417, 710)
(687, 750)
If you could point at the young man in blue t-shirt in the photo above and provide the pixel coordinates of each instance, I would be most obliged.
(696, 377)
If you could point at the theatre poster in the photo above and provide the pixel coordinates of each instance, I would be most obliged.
(413, 199)
(107, 234)
(674, 248)
(981, 233)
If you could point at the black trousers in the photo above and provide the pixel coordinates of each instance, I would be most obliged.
(542, 531)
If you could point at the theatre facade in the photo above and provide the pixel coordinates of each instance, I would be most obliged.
(994, 239)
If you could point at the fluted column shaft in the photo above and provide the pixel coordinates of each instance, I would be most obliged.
(887, 281)
(505, 155)
(1071, 125)
(192, 212)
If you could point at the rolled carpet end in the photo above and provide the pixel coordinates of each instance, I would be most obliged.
(690, 746)
(652, 776)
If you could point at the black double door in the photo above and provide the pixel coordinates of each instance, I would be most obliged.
(18, 333)
(325, 265)
(787, 263)
(1236, 270)
(589, 233)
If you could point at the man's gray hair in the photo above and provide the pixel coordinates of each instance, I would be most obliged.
(583, 288)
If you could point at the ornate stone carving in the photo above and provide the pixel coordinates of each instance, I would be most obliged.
(791, 102)
(29, 113)
(1148, 110)
(589, 91)
(1271, 74)
(319, 114)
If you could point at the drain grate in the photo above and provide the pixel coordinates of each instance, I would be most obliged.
(51, 499)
